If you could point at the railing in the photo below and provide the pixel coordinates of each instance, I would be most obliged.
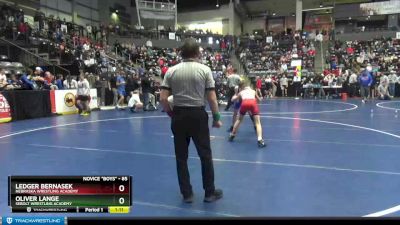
(114, 61)
(153, 5)
(19, 54)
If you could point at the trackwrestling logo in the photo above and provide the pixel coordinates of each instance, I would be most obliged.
(34, 220)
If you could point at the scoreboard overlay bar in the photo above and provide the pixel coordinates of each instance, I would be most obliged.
(70, 194)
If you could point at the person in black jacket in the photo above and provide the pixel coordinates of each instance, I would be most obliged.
(147, 87)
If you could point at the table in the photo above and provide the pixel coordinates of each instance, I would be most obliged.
(28, 104)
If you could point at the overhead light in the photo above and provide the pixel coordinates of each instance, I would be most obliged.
(349, 17)
(162, 5)
(116, 11)
(273, 13)
(321, 5)
(217, 5)
(293, 14)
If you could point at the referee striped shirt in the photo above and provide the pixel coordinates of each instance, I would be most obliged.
(188, 82)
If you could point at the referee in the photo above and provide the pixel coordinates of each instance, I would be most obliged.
(191, 84)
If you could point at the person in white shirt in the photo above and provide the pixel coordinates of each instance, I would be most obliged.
(392, 83)
(134, 102)
(353, 83)
(384, 79)
(319, 37)
(149, 43)
(383, 91)
(83, 96)
(3, 80)
(70, 83)
(89, 30)
(86, 47)
(284, 85)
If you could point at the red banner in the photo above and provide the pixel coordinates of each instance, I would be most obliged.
(5, 112)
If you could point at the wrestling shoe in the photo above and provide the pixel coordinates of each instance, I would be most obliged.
(261, 144)
(231, 137)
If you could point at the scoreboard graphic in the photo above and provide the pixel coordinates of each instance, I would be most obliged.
(70, 194)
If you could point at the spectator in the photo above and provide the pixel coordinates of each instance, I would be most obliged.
(14, 83)
(383, 91)
(134, 103)
(284, 85)
(147, 84)
(365, 81)
(392, 82)
(112, 85)
(49, 81)
(3, 80)
(353, 84)
(26, 83)
(91, 78)
(83, 96)
(121, 83)
(70, 83)
(59, 82)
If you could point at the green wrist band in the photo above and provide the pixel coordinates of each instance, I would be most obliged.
(216, 116)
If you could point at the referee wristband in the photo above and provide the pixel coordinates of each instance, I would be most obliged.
(216, 116)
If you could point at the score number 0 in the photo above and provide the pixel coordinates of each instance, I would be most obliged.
(121, 188)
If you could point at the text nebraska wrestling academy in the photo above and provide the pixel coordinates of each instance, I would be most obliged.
(45, 189)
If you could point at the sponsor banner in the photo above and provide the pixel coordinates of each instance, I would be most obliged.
(171, 36)
(5, 111)
(15, 220)
(64, 101)
(380, 8)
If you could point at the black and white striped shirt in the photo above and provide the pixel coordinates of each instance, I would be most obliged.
(188, 82)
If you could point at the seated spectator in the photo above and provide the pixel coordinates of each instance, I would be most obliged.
(59, 82)
(134, 103)
(14, 83)
(3, 80)
(49, 82)
(26, 83)
(383, 91)
(70, 83)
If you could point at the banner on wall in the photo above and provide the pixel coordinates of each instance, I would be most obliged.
(64, 28)
(269, 39)
(63, 101)
(380, 8)
(295, 63)
(171, 36)
(397, 35)
(5, 111)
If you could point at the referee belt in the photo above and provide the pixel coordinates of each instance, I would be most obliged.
(189, 108)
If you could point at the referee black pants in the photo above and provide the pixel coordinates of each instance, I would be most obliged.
(192, 123)
(231, 93)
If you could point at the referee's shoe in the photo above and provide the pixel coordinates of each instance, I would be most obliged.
(214, 196)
